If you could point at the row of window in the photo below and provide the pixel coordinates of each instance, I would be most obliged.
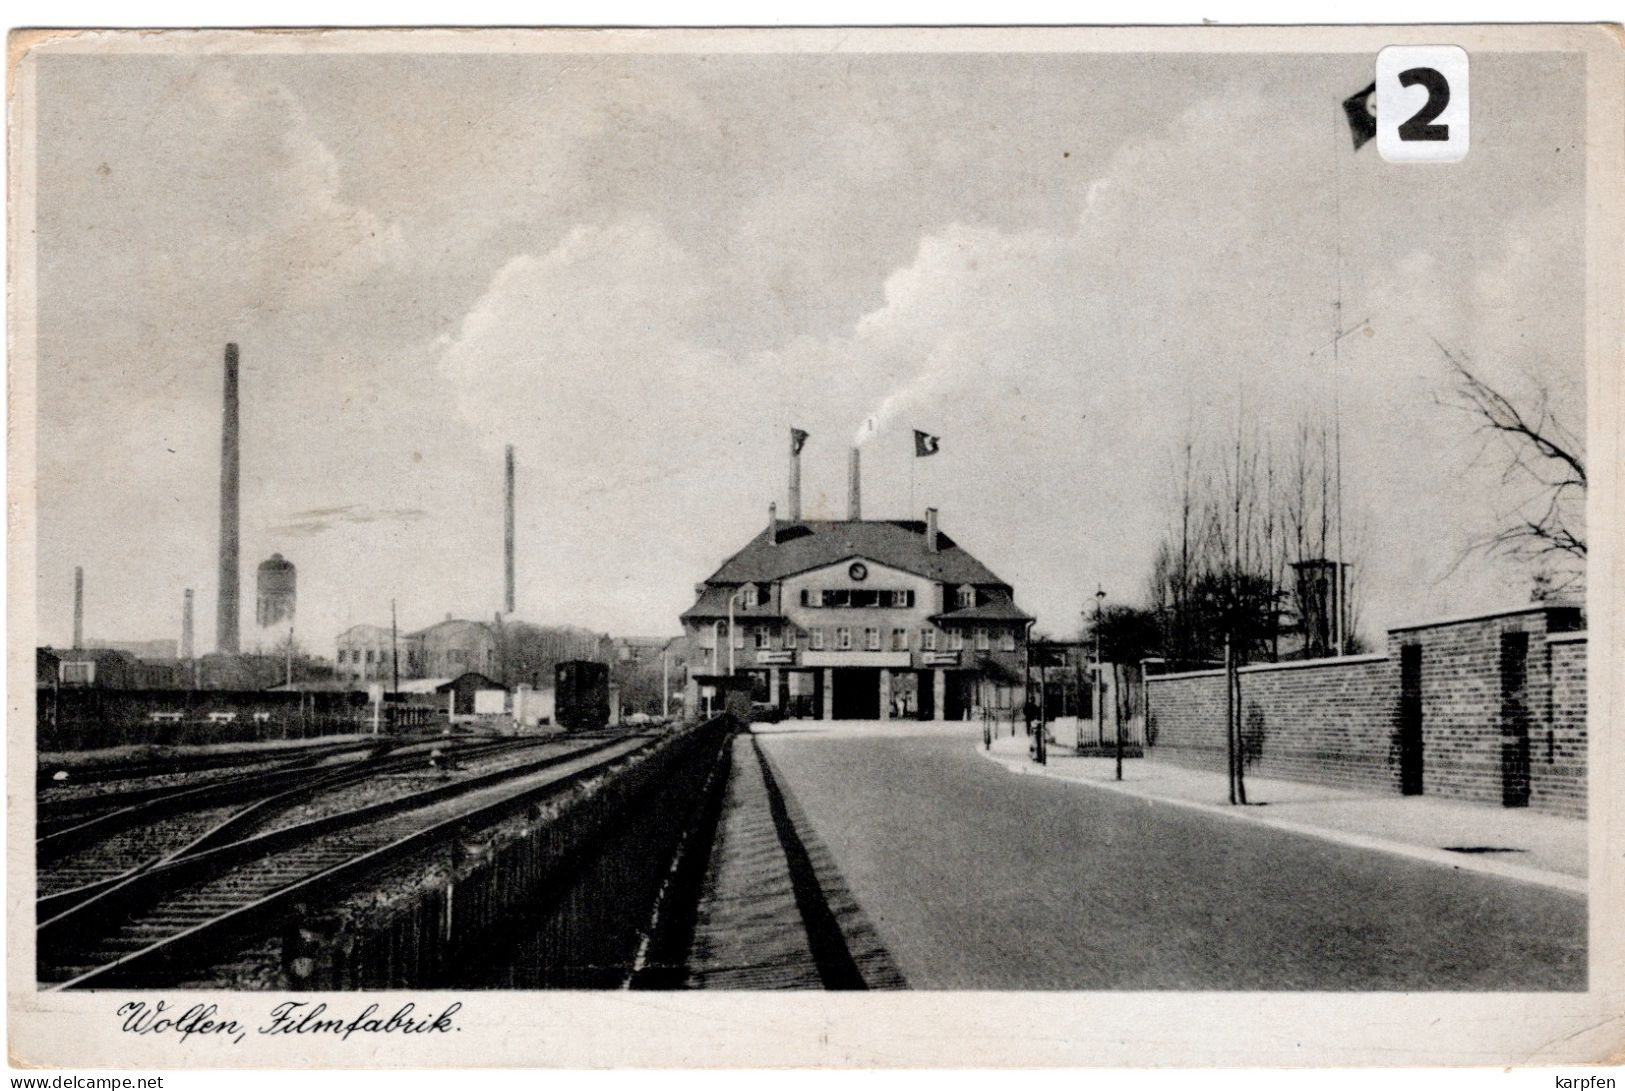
(872, 638)
(856, 597)
(372, 656)
(460, 657)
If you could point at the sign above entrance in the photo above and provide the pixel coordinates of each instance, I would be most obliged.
(855, 659)
(940, 659)
(776, 656)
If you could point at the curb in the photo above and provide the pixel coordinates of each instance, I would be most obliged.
(836, 923)
(1567, 884)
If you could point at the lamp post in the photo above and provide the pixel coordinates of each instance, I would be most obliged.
(1077, 678)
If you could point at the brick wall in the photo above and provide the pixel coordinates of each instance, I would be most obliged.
(1326, 721)
(1559, 766)
(1336, 721)
(1463, 741)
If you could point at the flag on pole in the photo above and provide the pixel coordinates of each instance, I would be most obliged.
(925, 444)
(798, 440)
(1361, 109)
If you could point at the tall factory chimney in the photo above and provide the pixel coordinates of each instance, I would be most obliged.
(508, 535)
(186, 624)
(78, 607)
(854, 487)
(225, 625)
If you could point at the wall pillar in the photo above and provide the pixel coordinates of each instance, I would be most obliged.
(885, 693)
(774, 697)
(829, 693)
(939, 694)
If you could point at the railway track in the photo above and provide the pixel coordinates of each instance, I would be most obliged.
(93, 809)
(178, 763)
(62, 824)
(82, 860)
(150, 927)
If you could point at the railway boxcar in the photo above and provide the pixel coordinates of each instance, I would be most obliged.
(581, 697)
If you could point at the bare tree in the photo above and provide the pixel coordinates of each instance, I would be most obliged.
(1242, 516)
(1547, 523)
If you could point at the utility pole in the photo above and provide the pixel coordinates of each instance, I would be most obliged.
(290, 657)
(1241, 753)
(394, 649)
(1099, 681)
(1229, 717)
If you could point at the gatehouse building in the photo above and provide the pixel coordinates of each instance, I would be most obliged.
(856, 619)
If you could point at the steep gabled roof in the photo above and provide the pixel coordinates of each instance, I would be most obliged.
(713, 603)
(792, 547)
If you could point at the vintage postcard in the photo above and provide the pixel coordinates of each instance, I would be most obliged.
(1105, 539)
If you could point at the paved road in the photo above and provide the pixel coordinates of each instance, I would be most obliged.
(978, 878)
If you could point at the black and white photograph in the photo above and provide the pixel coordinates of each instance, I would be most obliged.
(1090, 523)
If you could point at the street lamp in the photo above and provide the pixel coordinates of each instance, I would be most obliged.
(731, 641)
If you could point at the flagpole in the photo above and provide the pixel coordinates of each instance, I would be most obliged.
(1337, 401)
(913, 457)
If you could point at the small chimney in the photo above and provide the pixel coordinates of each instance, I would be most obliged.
(78, 608)
(772, 522)
(795, 479)
(931, 530)
(186, 624)
(854, 487)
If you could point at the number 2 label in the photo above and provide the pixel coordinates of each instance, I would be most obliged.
(1422, 114)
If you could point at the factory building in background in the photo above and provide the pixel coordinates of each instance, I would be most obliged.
(367, 653)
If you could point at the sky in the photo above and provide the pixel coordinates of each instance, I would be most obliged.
(641, 271)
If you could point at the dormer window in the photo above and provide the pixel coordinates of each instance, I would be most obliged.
(748, 596)
(966, 597)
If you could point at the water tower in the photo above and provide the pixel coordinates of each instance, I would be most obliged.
(274, 602)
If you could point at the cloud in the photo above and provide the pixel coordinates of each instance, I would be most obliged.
(1062, 365)
(315, 521)
(642, 270)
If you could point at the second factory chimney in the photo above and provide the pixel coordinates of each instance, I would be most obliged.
(507, 537)
(186, 625)
(78, 608)
(225, 624)
(854, 486)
